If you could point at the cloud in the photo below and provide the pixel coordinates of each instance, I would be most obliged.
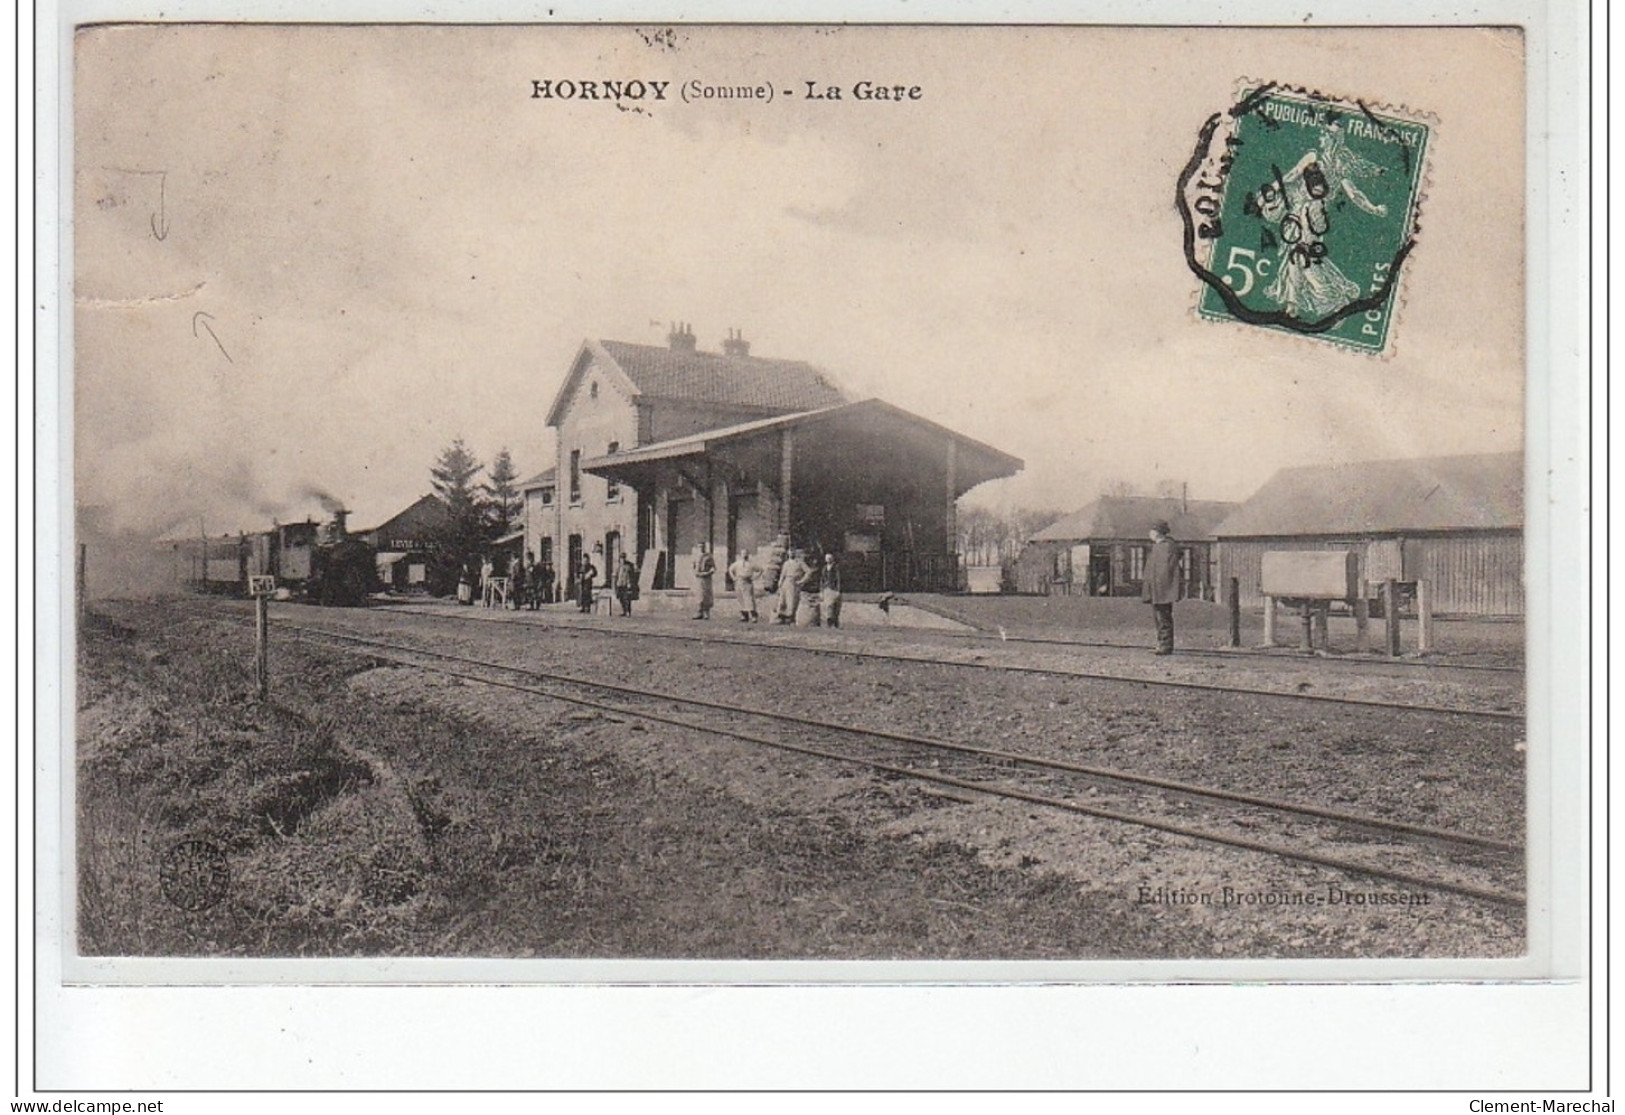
(398, 246)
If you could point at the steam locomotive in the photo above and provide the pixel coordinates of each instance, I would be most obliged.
(319, 562)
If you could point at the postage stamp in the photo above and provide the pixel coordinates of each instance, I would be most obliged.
(1300, 211)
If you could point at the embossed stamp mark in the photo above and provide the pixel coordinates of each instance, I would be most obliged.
(194, 874)
(1299, 211)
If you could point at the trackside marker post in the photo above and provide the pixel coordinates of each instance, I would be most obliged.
(1362, 618)
(261, 588)
(1390, 611)
(1235, 611)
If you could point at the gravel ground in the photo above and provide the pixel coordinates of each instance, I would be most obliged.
(1371, 680)
(1443, 770)
(1447, 771)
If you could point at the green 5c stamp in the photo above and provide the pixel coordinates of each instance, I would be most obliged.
(1299, 212)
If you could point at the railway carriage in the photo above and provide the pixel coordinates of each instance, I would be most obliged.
(320, 562)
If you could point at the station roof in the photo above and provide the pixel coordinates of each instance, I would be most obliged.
(1122, 517)
(975, 461)
(426, 510)
(547, 478)
(662, 372)
(1477, 492)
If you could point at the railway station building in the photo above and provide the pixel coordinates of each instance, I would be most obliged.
(1455, 522)
(536, 515)
(661, 449)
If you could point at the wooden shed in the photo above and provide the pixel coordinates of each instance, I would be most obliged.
(410, 545)
(1456, 522)
(1100, 549)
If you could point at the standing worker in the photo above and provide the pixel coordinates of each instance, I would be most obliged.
(829, 594)
(810, 582)
(1162, 586)
(533, 599)
(519, 582)
(626, 584)
(743, 572)
(790, 578)
(705, 569)
(585, 576)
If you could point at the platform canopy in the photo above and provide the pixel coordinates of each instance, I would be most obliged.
(887, 432)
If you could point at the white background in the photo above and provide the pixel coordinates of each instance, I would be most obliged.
(1477, 1038)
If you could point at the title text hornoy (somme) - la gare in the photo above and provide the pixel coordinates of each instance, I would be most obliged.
(640, 89)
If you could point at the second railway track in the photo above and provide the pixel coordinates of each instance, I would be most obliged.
(1505, 715)
(1413, 855)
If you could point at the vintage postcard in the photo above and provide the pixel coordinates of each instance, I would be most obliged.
(821, 502)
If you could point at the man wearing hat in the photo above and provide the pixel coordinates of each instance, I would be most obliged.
(1161, 585)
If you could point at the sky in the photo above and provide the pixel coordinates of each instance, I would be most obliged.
(306, 258)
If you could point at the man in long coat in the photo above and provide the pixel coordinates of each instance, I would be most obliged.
(829, 593)
(519, 585)
(626, 584)
(1162, 586)
(790, 585)
(743, 571)
(586, 574)
(705, 570)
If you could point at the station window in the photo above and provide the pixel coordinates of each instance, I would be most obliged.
(575, 476)
(1136, 563)
(547, 497)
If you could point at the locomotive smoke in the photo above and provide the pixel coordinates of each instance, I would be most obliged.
(330, 503)
(120, 528)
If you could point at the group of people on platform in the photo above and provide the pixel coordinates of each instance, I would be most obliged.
(525, 584)
(530, 584)
(623, 580)
(819, 581)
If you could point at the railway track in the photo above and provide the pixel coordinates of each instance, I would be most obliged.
(1370, 665)
(645, 632)
(1415, 856)
(998, 634)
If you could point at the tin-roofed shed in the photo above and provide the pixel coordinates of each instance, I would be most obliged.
(1455, 522)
